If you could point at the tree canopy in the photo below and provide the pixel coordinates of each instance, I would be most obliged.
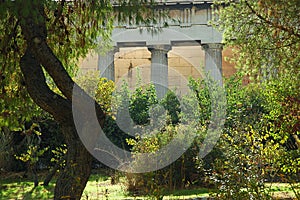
(72, 28)
(264, 33)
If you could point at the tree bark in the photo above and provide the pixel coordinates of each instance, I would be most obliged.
(73, 178)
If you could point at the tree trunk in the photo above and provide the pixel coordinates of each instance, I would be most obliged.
(73, 178)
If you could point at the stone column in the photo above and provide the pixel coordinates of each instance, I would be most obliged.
(159, 68)
(213, 60)
(106, 64)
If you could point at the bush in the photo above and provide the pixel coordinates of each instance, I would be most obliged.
(256, 143)
(188, 170)
(260, 141)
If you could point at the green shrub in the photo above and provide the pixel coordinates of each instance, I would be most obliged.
(257, 136)
(188, 170)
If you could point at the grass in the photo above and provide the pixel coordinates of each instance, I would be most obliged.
(283, 190)
(100, 187)
(24, 189)
(187, 194)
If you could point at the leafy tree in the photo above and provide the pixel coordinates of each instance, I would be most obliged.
(264, 33)
(260, 140)
(189, 169)
(42, 38)
(141, 101)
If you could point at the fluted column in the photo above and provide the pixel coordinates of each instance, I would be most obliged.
(213, 60)
(106, 64)
(159, 68)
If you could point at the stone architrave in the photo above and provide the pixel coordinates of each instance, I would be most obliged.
(106, 64)
(213, 60)
(159, 68)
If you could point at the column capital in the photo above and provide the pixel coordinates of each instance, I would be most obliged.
(159, 47)
(212, 46)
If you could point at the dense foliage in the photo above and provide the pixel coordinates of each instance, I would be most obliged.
(257, 146)
(264, 33)
(261, 135)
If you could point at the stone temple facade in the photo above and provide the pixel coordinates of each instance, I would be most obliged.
(188, 47)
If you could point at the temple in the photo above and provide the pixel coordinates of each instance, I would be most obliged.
(189, 46)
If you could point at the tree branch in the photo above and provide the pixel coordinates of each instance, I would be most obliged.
(40, 92)
(279, 26)
(59, 12)
(35, 32)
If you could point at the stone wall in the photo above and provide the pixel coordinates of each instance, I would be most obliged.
(183, 63)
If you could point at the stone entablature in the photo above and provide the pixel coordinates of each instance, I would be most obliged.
(188, 18)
